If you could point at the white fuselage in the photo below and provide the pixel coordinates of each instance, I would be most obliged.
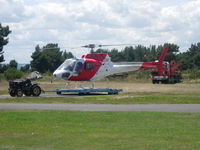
(108, 68)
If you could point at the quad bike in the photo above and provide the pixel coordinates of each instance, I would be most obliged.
(25, 86)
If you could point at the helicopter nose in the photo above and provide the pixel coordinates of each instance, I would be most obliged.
(65, 75)
(57, 74)
(54, 74)
(61, 75)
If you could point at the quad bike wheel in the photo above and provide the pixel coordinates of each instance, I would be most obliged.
(19, 93)
(36, 90)
(12, 93)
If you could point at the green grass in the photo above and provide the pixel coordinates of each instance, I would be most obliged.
(133, 93)
(110, 99)
(50, 130)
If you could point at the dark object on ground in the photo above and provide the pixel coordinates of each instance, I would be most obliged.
(165, 73)
(25, 86)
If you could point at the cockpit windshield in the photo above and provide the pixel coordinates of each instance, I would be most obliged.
(68, 65)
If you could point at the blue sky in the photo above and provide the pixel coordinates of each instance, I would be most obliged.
(72, 23)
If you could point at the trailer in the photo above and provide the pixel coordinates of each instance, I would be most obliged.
(85, 91)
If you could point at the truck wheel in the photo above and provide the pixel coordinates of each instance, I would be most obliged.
(155, 81)
(36, 90)
(12, 93)
(19, 93)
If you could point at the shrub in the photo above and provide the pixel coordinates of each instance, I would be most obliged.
(12, 74)
(191, 74)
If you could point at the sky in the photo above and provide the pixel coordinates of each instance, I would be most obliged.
(73, 23)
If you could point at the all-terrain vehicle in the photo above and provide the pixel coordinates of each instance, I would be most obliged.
(25, 86)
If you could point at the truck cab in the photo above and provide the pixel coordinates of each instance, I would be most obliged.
(165, 73)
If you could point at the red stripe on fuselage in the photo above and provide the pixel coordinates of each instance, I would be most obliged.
(97, 56)
(86, 75)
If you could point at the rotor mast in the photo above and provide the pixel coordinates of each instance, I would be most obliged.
(90, 46)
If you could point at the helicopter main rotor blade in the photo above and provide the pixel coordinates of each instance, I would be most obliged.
(91, 46)
(114, 45)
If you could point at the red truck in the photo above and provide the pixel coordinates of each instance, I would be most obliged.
(162, 71)
(166, 73)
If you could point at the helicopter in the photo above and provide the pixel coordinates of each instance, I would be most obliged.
(96, 66)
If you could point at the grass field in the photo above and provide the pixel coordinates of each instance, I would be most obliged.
(133, 93)
(74, 130)
(110, 99)
(50, 130)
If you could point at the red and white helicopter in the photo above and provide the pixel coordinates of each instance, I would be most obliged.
(95, 66)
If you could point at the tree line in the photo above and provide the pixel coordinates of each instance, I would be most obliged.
(50, 56)
(189, 60)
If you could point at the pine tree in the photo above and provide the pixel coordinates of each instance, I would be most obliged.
(4, 32)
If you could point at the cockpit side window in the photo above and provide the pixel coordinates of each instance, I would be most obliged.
(70, 67)
(78, 66)
(88, 66)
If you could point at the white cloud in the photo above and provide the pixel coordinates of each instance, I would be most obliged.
(11, 11)
(78, 22)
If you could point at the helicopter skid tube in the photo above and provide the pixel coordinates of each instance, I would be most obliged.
(86, 91)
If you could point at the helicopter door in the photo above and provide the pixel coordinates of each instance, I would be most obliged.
(88, 66)
(77, 68)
